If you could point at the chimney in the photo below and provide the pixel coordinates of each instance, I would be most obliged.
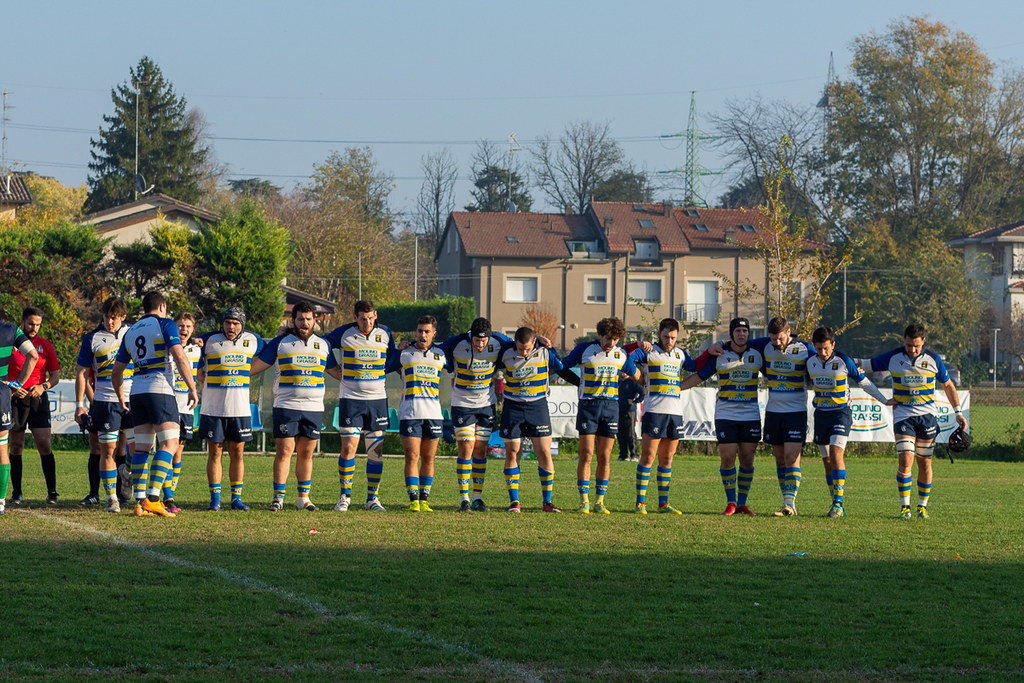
(730, 235)
(568, 208)
(666, 207)
(608, 221)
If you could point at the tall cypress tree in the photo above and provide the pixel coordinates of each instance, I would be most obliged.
(171, 154)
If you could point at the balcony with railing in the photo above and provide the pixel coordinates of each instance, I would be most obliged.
(698, 313)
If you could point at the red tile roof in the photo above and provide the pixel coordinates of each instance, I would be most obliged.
(991, 234)
(13, 190)
(510, 235)
(626, 226)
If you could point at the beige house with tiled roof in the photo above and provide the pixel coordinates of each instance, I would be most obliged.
(130, 222)
(585, 267)
(13, 195)
(995, 257)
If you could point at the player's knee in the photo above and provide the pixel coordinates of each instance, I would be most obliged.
(838, 441)
(483, 434)
(166, 435)
(904, 444)
(925, 450)
(375, 446)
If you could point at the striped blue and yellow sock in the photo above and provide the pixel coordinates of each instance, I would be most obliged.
(463, 468)
(374, 470)
(174, 479)
(215, 494)
(346, 471)
(780, 473)
(903, 482)
(743, 483)
(664, 483)
(139, 461)
(302, 489)
(547, 483)
(160, 470)
(729, 483)
(280, 488)
(838, 485)
(923, 492)
(479, 473)
(643, 479)
(828, 480)
(512, 483)
(236, 491)
(601, 487)
(109, 480)
(425, 484)
(412, 488)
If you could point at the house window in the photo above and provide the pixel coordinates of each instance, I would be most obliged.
(701, 301)
(747, 227)
(645, 291)
(595, 290)
(1018, 259)
(646, 250)
(701, 227)
(521, 290)
(646, 223)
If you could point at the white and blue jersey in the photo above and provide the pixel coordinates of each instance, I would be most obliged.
(526, 377)
(99, 351)
(832, 378)
(193, 352)
(474, 370)
(664, 371)
(421, 383)
(784, 372)
(148, 345)
(362, 359)
(913, 380)
(299, 371)
(227, 364)
(601, 369)
(737, 383)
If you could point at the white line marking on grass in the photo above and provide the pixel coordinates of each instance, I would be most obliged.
(311, 605)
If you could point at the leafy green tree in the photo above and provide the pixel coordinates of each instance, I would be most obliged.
(624, 185)
(497, 182)
(257, 188)
(171, 154)
(242, 259)
(924, 136)
(353, 177)
(49, 194)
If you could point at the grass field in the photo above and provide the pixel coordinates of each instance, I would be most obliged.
(495, 596)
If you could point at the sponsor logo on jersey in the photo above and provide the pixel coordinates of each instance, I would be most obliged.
(480, 365)
(245, 343)
(316, 345)
(824, 382)
(740, 375)
(524, 372)
(232, 359)
(425, 371)
(367, 354)
(307, 360)
(913, 380)
(376, 338)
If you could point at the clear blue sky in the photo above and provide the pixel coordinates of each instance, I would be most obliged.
(409, 78)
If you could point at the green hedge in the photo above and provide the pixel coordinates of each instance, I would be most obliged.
(454, 314)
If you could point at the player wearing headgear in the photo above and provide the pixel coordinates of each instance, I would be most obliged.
(152, 344)
(831, 373)
(30, 405)
(301, 360)
(225, 417)
(11, 337)
(597, 418)
(525, 412)
(362, 349)
(97, 355)
(472, 359)
(915, 371)
(419, 413)
(186, 416)
(737, 417)
(660, 427)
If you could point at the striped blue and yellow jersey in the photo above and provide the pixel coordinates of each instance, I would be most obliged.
(148, 345)
(421, 383)
(363, 359)
(664, 371)
(299, 371)
(474, 370)
(737, 383)
(785, 373)
(193, 352)
(227, 364)
(526, 377)
(831, 379)
(601, 369)
(913, 380)
(98, 352)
